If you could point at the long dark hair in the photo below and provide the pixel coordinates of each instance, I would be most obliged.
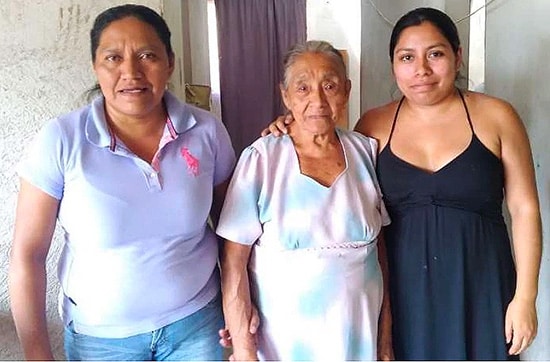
(419, 15)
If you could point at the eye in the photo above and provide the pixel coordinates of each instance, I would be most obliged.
(330, 86)
(436, 54)
(112, 58)
(147, 56)
(301, 88)
(406, 58)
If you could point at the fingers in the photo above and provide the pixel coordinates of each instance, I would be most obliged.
(516, 346)
(521, 340)
(508, 329)
(275, 129)
(225, 338)
(288, 119)
(254, 321)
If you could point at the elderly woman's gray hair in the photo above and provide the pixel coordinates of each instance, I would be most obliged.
(312, 46)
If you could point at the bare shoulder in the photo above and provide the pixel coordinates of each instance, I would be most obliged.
(377, 122)
(495, 113)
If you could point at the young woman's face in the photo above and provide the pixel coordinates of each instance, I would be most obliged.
(132, 68)
(424, 64)
(317, 92)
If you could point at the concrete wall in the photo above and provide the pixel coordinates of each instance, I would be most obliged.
(518, 39)
(45, 69)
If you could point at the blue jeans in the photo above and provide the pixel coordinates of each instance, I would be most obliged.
(194, 337)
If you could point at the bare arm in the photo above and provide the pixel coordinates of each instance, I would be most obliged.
(278, 126)
(217, 201)
(385, 348)
(376, 123)
(237, 305)
(523, 204)
(34, 226)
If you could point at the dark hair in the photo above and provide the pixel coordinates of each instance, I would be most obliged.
(416, 17)
(312, 46)
(140, 12)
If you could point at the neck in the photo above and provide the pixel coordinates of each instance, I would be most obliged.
(308, 142)
(434, 110)
(137, 127)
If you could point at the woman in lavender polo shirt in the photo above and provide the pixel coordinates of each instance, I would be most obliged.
(131, 179)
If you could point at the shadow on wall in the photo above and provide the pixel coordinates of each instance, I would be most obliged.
(9, 344)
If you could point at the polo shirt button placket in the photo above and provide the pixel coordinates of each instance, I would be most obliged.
(154, 182)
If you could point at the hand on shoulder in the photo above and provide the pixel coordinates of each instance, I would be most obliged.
(377, 123)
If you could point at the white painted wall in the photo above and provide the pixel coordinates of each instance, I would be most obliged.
(518, 39)
(45, 67)
(339, 22)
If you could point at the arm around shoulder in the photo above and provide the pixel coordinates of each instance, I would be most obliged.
(376, 123)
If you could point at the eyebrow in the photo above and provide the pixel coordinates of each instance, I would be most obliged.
(430, 47)
(113, 49)
(305, 75)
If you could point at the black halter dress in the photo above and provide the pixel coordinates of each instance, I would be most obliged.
(451, 269)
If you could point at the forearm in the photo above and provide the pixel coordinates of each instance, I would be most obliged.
(27, 287)
(527, 245)
(237, 303)
(385, 320)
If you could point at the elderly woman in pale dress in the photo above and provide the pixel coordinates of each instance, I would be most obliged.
(301, 221)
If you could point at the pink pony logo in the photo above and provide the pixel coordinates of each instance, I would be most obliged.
(192, 162)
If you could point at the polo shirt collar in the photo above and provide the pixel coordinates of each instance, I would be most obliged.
(179, 114)
(180, 120)
(97, 130)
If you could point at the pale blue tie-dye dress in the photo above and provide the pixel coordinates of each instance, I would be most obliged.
(314, 270)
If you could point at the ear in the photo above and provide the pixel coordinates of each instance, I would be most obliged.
(171, 64)
(458, 59)
(348, 87)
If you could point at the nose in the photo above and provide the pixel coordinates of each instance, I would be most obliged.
(318, 95)
(422, 67)
(130, 68)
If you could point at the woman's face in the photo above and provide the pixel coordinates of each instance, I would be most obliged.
(317, 92)
(132, 68)
(424, 64)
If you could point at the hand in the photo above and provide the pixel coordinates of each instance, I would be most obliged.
(520, 324)
(225, 336)
(278, 126)
(385, 349)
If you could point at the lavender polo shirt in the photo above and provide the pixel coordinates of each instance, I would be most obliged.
(138, 253)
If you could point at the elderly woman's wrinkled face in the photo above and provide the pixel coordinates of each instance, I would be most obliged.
(317, 92)
(132, 68)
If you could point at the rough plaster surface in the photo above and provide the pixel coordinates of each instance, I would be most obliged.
(45, 70)
(521, 77)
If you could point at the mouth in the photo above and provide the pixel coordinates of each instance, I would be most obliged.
(318, 116)
(133, 90)
(423, 86)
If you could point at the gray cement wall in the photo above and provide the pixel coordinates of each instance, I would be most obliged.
(518, 39)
